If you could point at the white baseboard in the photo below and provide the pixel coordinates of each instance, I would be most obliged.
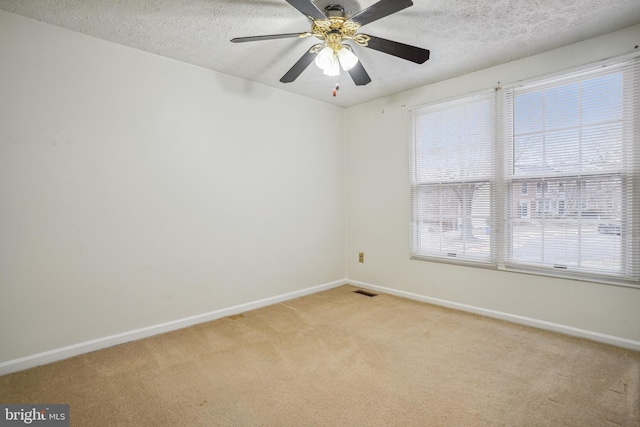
(100, 343)
(528, 321)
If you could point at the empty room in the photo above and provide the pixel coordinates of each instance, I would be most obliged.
(319, 213)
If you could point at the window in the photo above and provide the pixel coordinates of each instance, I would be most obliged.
(574, 138)
(452, 179)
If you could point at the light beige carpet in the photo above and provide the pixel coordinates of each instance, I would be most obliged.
(338, 358)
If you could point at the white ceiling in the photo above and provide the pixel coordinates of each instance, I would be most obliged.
(462, 35)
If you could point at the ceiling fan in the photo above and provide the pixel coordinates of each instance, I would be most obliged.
(333, 28)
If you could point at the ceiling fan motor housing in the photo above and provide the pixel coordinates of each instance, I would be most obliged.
(336, 28)
(334, 10)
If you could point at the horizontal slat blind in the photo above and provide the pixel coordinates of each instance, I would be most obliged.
(572, 172)
(453, 152)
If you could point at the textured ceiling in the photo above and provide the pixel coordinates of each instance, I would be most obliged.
(462, 35)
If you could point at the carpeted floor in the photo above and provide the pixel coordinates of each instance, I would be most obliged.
(338, 358)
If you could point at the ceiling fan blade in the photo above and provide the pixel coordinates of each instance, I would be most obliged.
(401, 50)
(307, 8)
(359, 75)
(267, 37)
(299, 67)
(379, 10)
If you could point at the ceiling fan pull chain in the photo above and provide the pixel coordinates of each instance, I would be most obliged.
(336, 89)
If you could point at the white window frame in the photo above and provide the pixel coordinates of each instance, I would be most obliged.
(451, 219)
(503, 188)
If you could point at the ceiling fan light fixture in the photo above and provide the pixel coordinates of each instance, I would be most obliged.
(347, 58)
(334, 69)
(325, 59)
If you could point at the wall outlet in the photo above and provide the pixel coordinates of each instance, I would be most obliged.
(361, 257)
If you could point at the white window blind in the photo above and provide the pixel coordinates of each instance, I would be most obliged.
(575, 140)
(452, 179)
(556, 192)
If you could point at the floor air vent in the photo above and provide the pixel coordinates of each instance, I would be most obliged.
(365, 293)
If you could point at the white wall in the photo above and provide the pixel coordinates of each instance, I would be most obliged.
(378, 210)
(136, 190)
